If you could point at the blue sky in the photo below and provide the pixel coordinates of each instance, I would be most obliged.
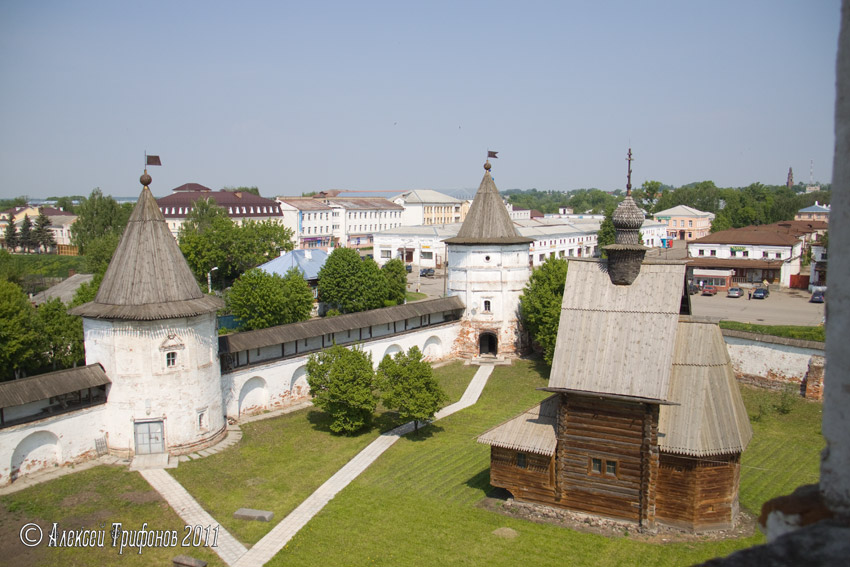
(304, 96)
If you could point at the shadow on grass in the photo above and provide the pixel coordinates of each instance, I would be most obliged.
(382, 422)
(481, 482)
(540, 366)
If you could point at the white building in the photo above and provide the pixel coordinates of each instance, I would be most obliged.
(312, 221)
(425, 206)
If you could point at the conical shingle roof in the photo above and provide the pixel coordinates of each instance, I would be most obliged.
(148, 278)
(488, 221)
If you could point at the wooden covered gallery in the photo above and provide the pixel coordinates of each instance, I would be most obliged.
(646, 422)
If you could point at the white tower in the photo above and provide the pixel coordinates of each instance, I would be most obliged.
(488, 269)
(154, 332)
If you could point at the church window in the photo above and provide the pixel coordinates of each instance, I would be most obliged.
(487, 305)
(171, 359)
(521, 461)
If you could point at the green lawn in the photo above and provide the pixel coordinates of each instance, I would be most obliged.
(414, 296)
(282, 460)
(416, 505)
(788, 331)
(90, 499)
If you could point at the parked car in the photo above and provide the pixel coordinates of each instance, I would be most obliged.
(426, 272)
(818, 297)
(693, 288)
(760, 293)
(709, 290)
(735, 292)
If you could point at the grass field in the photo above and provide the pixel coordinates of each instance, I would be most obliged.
(787, 331)
(416, 505)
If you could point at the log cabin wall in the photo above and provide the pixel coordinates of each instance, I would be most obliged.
(605, 462)
(533, 482)
(698, 494)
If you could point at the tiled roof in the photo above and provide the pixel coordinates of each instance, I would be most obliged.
(305, 203)
(365, 203)
(183, 199)
(683, 211)
(427, 197)
(749, 235)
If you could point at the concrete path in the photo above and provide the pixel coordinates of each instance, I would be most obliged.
(234, 553)
(229, 549)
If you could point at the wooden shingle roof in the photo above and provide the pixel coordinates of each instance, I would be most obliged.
(532, 431)
(710, 418)
(317, 327)
(488, 221)
(148, 278)
(44, 386)
(618, 339)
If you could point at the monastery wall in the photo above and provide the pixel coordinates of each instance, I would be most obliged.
(283, 382)
(773, 362)
(55, 441)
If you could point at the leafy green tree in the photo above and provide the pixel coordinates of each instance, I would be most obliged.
(42, 234)
(407, 385)
(87, 291)
(61, 335)
(99, 252)
(721, 222)
(26, 239)
(19, 338)
(11, 236)
(349, 284)
(209, 238)
(253, 190)
(606, 234)
(342, 383)
(540, 304)
(96, 216)
(395, 276)
(65, 203)
(262, 300)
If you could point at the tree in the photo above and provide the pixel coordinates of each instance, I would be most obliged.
(342, 383)
(606, 234)
(96, 216)
(253, 190)
(540, 304)
(349, 284)
(209, 238)
(61, 335)
(99, 252)
(65, 203)
(260, 300)
(407, 385)
(25, 237)
(11, 236)
(395, 276)
(19, 338)
(87, 291)
(42, 234)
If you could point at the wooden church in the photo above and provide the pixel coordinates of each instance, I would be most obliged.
(645, 422)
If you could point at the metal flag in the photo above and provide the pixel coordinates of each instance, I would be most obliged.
(491, 154)
(152, 160)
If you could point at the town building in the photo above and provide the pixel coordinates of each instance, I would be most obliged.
(685, 223)
(241, 206)
(754, 254)
(643, 427)
(427, 207)
(60, 224)
(816, 212)
(313, 222)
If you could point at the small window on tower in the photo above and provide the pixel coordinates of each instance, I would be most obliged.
(171, 359)
(521, 461)
(487, 305)
(596, 465)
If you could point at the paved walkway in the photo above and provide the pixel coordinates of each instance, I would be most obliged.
(234, 553)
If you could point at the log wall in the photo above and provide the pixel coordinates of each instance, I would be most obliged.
(698, 494)
(534, 483)
(622, 432)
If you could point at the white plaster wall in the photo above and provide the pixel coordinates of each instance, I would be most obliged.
(144, 388)
(768, 360)
(283, 378)
(75, 434)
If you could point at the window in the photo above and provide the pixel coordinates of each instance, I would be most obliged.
(521, 461)
(427, 255)
(386, 254)
(778, 255)
(611, 468)
(596, 464)
(764, 254)
(733, 253)
(487, 305)
(746, 254)
(690, 224)
(713, 253)
(170, 359)
(202, 420)
(702, 252)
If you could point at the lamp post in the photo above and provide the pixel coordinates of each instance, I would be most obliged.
(209, 279)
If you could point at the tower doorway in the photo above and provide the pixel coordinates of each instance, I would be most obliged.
(149, 437)
(488, 344)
